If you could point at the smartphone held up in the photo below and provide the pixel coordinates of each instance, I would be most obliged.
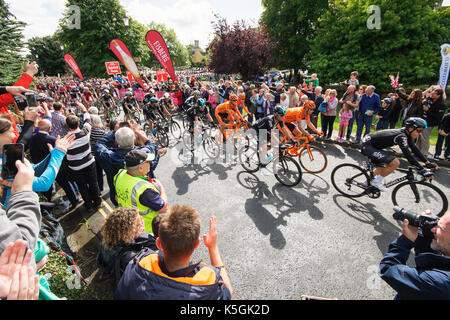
(11, 153)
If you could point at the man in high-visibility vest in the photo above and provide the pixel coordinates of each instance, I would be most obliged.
(135, 189)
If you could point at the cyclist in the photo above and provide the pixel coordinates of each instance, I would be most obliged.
(196, 115)
(107, 102)
(167, 103)
(87, 97)
(228, 112)
(192, 100)
(264, 132)
(241, 104)
(74, 93)
(294, 120)
(373, 145)
(129, 104)
(150, 110)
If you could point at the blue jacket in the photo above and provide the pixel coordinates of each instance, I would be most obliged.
(370, 103)
(145, 278)
(45, 173)
(430, 280)
(112, 160)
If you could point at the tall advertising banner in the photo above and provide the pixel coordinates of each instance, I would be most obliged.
(445, 67)
(158, 46)
(71, 62)
(124, 55)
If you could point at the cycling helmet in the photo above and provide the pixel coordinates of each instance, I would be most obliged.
(147, 98)
(201, 102)
(154, 100)
(309, 105)
(166, 95)
(197, 93)
(242, 96)
(416, 123)
(129, 94)
(279, 111)
(233, 98)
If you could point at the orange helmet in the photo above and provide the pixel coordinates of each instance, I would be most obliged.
(241, 96)
(233, 98)
(309, 105)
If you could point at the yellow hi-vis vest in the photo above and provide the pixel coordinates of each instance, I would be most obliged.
(129, 189)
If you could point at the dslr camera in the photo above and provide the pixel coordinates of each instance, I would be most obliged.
(427, 222)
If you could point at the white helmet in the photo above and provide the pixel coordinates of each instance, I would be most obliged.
(166, 95)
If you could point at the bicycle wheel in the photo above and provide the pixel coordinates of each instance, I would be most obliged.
(175, 130)
(313, 160)
(211, 147)
(350, 180)
(162, 138)
(188, 140)
(248, 158)
(287, 171)
(420, 196)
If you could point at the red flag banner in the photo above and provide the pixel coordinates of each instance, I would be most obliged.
(161, 75)
(71, 62)
(130, 76)
(124, 55)
(158, 46)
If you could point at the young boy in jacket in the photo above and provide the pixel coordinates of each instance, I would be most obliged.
(169, 273)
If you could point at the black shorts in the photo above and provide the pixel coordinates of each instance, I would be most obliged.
(291, 127)
(224, 117)
(260, 135)
(150, 114)
(378, 157)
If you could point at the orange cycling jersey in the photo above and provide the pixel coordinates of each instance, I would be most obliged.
(225, 108)
(296, 114)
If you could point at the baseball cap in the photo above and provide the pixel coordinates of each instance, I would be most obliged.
(137, 157)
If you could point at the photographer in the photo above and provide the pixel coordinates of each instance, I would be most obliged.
(430, 278)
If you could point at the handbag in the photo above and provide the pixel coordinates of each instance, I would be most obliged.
(323, 107)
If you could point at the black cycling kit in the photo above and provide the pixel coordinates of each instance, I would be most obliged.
(374, 144)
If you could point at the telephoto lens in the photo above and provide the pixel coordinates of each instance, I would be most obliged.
(416, 220)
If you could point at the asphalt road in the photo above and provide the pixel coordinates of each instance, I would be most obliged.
(280, 242)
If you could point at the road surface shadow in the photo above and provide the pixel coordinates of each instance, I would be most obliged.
(285, 200)
(368, 214)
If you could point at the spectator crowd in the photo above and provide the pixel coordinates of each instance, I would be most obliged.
(148, 242)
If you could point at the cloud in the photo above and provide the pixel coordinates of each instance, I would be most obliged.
(42, 16)
(190, 19)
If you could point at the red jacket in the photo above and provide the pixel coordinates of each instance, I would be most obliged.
(7, 99)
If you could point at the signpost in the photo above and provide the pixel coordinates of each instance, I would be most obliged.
(113, 67)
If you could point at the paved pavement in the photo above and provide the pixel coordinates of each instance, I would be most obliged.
(279, 242)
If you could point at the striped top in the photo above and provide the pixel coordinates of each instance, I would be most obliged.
(79, 156)
(97, 134)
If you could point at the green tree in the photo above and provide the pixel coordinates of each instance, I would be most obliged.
(47, 52)
(178, 52)
(408, 39)
(11, 44)
(292, 23)
(100, 22)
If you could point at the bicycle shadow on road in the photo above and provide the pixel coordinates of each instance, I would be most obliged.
(331, 150)
(283, 199)
(366, 213)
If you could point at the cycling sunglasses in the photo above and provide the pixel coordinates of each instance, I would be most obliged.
(420, 131)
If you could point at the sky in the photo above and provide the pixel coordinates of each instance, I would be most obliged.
(191, 19)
